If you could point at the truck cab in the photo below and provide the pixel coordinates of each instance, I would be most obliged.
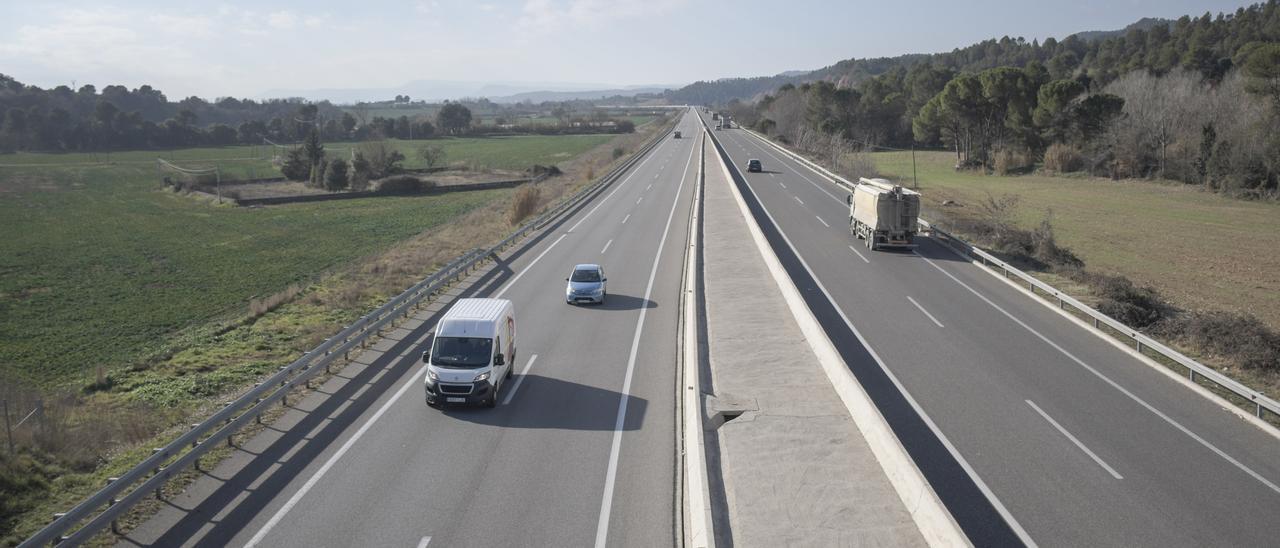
(472, 353)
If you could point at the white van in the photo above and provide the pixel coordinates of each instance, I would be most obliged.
(473, 353)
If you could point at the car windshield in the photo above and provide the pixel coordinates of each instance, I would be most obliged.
(464, 352)
(585, 276)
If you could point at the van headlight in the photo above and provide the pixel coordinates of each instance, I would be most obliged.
(431, 375)
(482, 377)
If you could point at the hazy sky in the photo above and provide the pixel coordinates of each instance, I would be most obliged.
(213, 49)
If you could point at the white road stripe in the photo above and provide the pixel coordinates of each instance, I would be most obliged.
(424, 542)
(824, 223)
(797, 172)
(606, 246)
(638, 200)
(783, 185)
(649, 187)
(798, 200)
(606, 504)
(527, 267)
(624, 219)
(855, 252)
(1073, 439)
(634, 170)
(523, 373)
(1115, 385)
(926, 312)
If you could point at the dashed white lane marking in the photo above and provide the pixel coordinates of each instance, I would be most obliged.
(638, 200)
(1073, 439)
(606, 246)
(1114, 384)
(624, 219)
(855, 252)
(424, 542)
(798, 200)
(523, 373)
(824, 223)
(926, 312)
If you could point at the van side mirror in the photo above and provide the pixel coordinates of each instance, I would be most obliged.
(499, 359)
(426, 357)
(604, 279)
(848, 199)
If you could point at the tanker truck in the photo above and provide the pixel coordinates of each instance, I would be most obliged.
(883, 214)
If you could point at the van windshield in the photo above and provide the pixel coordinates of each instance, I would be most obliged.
(462, 352)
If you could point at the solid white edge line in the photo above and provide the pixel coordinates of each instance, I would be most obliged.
(606, 503)
(523, 373)
(931, 517)
(926, 312)
(824, 223)
(1073, 439)
(414, 379)
(333, 459)
(859, 254)
(1114, 384)
(606, 245)
(697, 495)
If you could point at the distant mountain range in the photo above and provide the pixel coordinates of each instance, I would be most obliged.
(498, 92)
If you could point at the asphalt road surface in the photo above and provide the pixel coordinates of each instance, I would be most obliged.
(580, 450)
(1075, 442)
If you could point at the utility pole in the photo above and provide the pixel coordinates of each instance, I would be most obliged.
(915, 181)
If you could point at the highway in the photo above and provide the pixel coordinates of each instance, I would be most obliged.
(581, 448)
(1072, 441)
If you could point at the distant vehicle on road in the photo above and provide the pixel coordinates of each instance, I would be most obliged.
(754, 165)
(587, 284)
(718, 126)
(473, 353)
(677, 135)
(883, 214)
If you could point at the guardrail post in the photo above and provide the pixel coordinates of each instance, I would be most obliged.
(1095, 323)
(1139, 343)
(1258, 409)
(194, 444)
(115, 524)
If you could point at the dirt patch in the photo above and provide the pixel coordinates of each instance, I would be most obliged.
(13, 183)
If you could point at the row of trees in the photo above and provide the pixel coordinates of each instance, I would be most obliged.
(1207, 44)
(1194, 122)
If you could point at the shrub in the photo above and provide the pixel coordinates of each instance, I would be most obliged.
(296, 166)
(404, 184)
(1135, 306)
(1060, 158)
(525, 203)
(1009, 161)
(336, 178)
(618, 152)
(1240, 338)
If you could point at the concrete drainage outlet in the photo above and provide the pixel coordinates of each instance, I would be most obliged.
(725, 407)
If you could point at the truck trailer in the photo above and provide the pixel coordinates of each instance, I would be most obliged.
(883, 214)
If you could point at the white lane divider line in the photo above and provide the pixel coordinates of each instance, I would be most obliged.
(855, 252)
(783, 185)
(1114, 384)
(315, 478)
(523, 373)
(606, 503)
(527, 267)
(1073, 439)
(798, 200)
(424, 542)
(606, 246)
(649, 187)
(638, 200)
(824, 223)
(926, 312)
(634, 170)
(624, 219)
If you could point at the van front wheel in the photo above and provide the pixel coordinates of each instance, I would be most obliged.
(493, 399)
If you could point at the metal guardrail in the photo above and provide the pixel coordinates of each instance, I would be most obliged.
(1141, 341)
(166, 462)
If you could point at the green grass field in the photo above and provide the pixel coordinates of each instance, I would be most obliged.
(1202, 250)
(100, 264)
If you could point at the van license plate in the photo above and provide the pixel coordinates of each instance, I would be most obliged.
(455, 400)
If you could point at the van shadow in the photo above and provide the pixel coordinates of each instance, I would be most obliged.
(547, 402)
(617, 301)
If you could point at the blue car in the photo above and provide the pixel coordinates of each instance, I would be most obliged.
(586, 285)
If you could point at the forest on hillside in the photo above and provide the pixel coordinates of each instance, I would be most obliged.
(1195, 100)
